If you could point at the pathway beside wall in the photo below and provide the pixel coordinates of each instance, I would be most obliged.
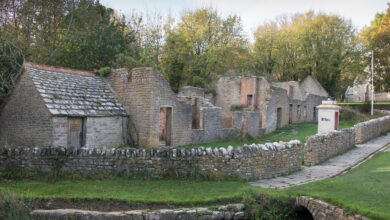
(333, 167)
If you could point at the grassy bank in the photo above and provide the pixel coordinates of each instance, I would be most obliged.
(130, 190)
(364, 190)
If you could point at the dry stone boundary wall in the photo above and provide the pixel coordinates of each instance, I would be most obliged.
(372, 129)
(321, 147)
(253, 161)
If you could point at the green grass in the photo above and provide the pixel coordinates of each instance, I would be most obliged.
(130, 190)
(291, 132)
(364, 190)
(360, 103)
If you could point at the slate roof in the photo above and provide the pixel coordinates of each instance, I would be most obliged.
(71, 94)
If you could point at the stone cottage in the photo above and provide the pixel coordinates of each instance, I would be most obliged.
(61, 107)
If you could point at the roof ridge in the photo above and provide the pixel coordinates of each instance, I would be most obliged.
(58, 69)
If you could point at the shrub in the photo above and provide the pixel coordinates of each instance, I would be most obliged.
(262, 206)
(236, 107)
(365, 108)
(12, 207)
(349, 114)
(103, 72)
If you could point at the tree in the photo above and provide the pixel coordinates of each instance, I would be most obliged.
(321, 45)
(376, 38)
(202, 46)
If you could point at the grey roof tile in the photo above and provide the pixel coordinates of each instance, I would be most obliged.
(75, 95)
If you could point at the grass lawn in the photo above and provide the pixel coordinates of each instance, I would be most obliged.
(365, 189)
(130, 190)
(361, 103)
(291, 132)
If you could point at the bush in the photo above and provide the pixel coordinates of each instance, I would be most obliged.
(236, 107)
(12, 207)
(103, 72)
(349, 114)
(365, 108)
(261, 206)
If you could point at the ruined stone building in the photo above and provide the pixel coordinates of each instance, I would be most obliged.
(361, 91)
(61, 107)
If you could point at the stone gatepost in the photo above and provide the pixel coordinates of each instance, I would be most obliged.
(328, 116)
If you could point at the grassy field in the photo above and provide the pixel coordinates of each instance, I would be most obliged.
(364, 190)
(291, 132)
(129, 190)
(361, 103)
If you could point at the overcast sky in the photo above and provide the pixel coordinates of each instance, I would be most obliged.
(255, 12)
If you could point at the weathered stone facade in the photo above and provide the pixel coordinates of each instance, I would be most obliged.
(143, 92)
(56, 107)
(78, 108)
(277, 104)
(25, 120)
(321, 147)
(253, 161)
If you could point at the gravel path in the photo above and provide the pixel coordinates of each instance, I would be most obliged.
(330, 168)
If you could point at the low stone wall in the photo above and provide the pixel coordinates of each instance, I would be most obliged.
(254, 161)
(371, 129)
(323, 211)
(321, 147)
(233, 211)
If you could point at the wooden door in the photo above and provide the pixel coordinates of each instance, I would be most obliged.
(75, 128)
(336, 121)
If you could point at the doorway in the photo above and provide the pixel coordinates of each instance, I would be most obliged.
(76, 132)
(290, 114)
(165, 126)
(249, 100)
(279, 118)
(336, 121)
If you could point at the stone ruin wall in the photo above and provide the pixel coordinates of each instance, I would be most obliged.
(321, 147)
(142, 93)
(17, 117)
(253, 161)
(370, 129)
(228, 91)
(100, 131)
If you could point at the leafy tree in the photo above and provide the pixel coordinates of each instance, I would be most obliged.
(321, 45)
(376, 38)
(202, 46)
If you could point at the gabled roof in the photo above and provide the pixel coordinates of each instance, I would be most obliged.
(74, 93)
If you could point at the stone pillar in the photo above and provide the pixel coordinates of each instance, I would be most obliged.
(328, 116)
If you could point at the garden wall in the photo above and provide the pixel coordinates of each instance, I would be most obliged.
(254, 161)
(321, 147)
(372, 128)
